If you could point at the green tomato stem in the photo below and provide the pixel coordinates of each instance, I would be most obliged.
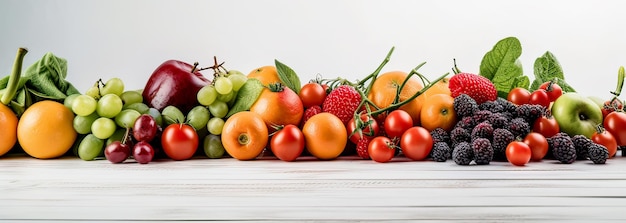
(14, 79)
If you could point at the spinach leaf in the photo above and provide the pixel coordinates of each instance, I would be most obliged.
(501, 65)
(548, 68)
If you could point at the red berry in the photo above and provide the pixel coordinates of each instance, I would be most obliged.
(342, 102)
(361, 147)
(478, 87)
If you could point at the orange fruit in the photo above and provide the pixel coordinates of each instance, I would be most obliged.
(438, 112)
(441, 87)
(384, 91)
(8, 129)
(244, 135)
(325, 136)
(282, 107)
(46, 130)
(265, 74)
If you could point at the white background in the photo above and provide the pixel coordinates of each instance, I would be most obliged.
(129, 39)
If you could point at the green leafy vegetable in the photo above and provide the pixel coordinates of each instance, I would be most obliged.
(548, 68)
(501, 65)
(247, 95)
(288, 76)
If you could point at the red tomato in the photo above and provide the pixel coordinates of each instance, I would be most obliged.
(416, 143)
(540, 97)
(397, 122)
(546, 126)
(519, 96)
(518, 153)
(368, 128)
(538, 145)
(614, 123)
(381, 149)
(611, 106)
(554, 90)
(606, 139)
(287, 143)
(312, 94)
(179, 141)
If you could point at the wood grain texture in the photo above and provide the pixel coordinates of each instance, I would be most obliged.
(269, 190)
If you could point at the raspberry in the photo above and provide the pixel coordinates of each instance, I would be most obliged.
(464, 105)
(483, 152)
(310, 112)
(463, 154)
(482, 130)
(361, 147)
(342, 102)
(563, 148)
(501, 139)
(598, 154)
(519, 127)
(440, 135)
(529, 112)
(582, 145)
(478, 87)
(459, 135)
(441, 152)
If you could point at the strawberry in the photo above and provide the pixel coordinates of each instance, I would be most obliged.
(361, 147)
(310, 112)
(478, 87)
(342, 102)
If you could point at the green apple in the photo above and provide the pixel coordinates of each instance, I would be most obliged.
(576, 114)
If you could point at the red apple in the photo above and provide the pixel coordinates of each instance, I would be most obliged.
(174, 83)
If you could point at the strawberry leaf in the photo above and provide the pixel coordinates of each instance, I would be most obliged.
(548, 68)
(288, 76)
(501, 65)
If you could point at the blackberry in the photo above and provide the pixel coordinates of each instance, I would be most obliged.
(498, 120)
(506, 105)
(501, 139)
(598, 154)
(440, 135)
(459, 135)
(519, 127)
(563, 148)
(491, 106)
(463, 154)
(529, 112)
(441, 152)
(464, 105)
(582, 145)
(483, 152)
(481, 115)
(467, 123)
(482, 130)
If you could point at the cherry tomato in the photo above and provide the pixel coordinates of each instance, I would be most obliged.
(606, 139)
(519, 96)
(518, 153)
(546, 126)
(368, 128)
(614, 123)
(381, 149)
(416, 143)
(312, 94)
(553, 89)
(611, 106)
(540, 97)
(397, 122)
(179, 141)
(538, 145)
(287, 143)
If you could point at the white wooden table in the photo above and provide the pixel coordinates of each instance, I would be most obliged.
(69, 189)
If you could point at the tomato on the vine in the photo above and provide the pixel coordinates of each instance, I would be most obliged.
(538, 145)
(553, 89)
(614, 123)
(287, 143)
(312, 94)
(397, 122)
(179, 141)
(518, 153)
(611, 106)
(368, 128)
(540, 97)
(381, 149)
(606, 139)
(546, 126)
(416, 143)
(519, 96)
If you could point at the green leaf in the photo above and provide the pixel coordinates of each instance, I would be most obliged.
(288, 76)
(247, 95)
(548, 68)
(501, 65)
